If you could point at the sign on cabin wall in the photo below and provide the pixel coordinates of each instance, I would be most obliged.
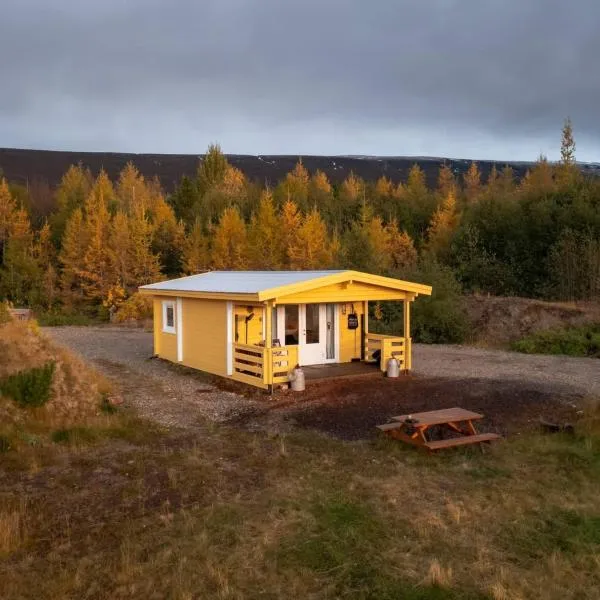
(352, 321)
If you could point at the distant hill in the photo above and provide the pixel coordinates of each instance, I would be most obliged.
(48, 166)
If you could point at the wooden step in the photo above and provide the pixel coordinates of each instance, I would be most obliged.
(462, 441)
(389, 426)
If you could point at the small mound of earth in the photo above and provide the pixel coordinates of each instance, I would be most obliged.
(351, 409)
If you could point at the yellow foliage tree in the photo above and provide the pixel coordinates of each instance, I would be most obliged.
(196, 251)
(443, 225)
(265, 236)
(401, 250)
(132, 190)
(230, 242)
(73, 247)
(472, 181)
(311, 249)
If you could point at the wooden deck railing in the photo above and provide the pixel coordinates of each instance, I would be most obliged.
(389, 346)
(261, 366)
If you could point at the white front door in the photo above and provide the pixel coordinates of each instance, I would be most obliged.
(313, 334)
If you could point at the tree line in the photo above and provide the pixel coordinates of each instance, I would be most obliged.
(537, 237)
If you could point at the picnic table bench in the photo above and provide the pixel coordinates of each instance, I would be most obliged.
(413, 429)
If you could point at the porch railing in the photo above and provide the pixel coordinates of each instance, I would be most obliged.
(389, 346)
(261, 366)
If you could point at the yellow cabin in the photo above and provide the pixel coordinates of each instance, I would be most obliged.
(256, 326)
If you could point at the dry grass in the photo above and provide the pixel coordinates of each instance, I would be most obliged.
(12, 528)
(231, 514)
(238, 515)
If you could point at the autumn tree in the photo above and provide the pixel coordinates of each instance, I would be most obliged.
(265, 236)
(320, 194)
(443, 225)
(401, 248)
(145, 263)
(96, 273)
(196, 251)
(230, 241)
(132, 189)
(73, 247)
(311, 248)
(290, 220)
(446, 183)
(472, 183)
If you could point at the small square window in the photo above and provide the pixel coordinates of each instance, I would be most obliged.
(168, 317)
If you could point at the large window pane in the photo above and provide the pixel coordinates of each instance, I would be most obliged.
(291, 324)
(312, 323)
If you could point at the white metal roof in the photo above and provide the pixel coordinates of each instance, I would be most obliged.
(236, 282)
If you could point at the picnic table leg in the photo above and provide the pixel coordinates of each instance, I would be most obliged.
(472, 430)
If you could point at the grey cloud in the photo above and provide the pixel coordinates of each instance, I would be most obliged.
(484, 79)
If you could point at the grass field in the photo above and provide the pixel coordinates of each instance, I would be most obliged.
(135, 512)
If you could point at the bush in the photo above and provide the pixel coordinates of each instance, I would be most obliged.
(135, 308)
(29, 388)
(437, 319)
(57, 319)
(4, 314)
(576, 341)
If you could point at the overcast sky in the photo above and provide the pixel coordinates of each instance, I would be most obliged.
(459, 78)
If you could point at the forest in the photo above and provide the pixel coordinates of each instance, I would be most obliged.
(536, 237)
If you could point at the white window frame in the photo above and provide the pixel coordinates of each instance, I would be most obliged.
(166, 328)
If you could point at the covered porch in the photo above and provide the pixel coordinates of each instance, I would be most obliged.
(336, 343)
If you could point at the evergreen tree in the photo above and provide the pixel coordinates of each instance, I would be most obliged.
(184, 200)
(71, 193)
(212, 169)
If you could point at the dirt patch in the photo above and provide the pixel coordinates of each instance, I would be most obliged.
(500, 321)
(351, 409)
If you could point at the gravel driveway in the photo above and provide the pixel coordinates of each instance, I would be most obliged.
(561, 373)
(175, 397)
(165, 393)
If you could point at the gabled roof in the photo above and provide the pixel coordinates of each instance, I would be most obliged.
(265, 285)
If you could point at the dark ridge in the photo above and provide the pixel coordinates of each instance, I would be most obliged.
(47, 166)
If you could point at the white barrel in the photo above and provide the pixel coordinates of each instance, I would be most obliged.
(297, 380)
(393, 368)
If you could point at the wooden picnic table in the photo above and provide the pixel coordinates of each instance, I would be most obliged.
(413, 428)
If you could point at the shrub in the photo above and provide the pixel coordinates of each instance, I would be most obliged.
(29, 388)
(437, 319)
(135, 308)
(5, 444)
(4, 314)
(57, 319)
(576, 341)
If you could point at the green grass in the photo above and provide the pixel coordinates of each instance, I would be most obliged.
(29, 388)
(576, 341)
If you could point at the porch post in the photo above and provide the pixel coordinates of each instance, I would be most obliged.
(366, 330)
(268, 360)
(407, 338)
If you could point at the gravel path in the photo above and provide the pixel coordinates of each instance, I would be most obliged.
(560, 373)
(160, 391)
(176, 397)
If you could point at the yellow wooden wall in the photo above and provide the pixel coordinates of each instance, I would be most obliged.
(350, 339)
(205, 335)
(165, 344)
(255, 326)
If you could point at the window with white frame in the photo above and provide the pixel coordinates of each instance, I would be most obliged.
(168, 316)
